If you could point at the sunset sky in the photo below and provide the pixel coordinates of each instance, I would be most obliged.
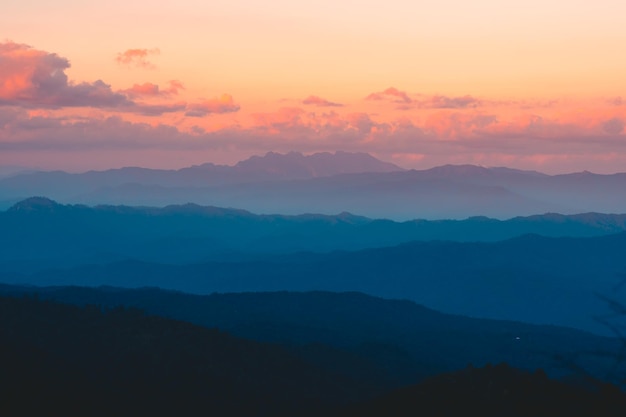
(526, 84)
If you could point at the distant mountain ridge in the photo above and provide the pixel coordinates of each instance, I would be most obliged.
(271, 166)
(332, 183)
(295, 165)
(40, 233)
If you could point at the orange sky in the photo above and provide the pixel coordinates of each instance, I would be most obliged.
(527, 84)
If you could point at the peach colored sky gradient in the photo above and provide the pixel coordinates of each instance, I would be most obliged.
(527, 84)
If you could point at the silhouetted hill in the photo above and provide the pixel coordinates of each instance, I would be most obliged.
(35, 204)
(495, 391)
(390, 342)
(40, 233)
(65, 360)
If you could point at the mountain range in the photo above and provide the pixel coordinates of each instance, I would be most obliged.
(41, 233)
(206, 249)
(334, 183)
(371, 278)
(272, 166)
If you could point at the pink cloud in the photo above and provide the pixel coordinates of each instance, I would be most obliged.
(223, 104)
(613, 126)
(437, 101)
(320, 102)
(34, 85)
(66, 133)
(174, 86)
(391, 93)
(159, 109)
(33, 78)
(137, 57)
(444, 102)
(145, 89)
(362, 122)
(153, 90)
(454, 125)
(282, 119)
(446, 137)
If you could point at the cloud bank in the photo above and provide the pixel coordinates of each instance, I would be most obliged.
(42, 111)
(137, 58)
(35, 79)
(32, 78)
(320, 102)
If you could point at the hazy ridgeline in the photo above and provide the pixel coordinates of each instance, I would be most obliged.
(333, 183)
(310, 301)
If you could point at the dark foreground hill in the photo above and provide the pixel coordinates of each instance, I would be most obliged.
(385, 342)
(495, 391)
(65, 360)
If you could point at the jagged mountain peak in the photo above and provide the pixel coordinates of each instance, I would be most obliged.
(296, 164)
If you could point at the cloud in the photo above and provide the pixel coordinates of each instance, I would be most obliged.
(362, 122)
(284, 120)
(525, 141)
(459, 125)
(174, 86)
(391, 93)
(28, 133)
(137, 58)
(320, 102)
(223, 104)
(35, 79)
(159, 109)
(437, 101)
(153, 90)
(613, 126)
(145, 89)
(32, 78)
(444, 102)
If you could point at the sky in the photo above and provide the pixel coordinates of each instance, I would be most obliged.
(527, 84)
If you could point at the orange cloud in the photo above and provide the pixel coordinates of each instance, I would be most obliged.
(613, 126)
(153, 90)
(444, 102)
(33, 78)
(137, 58)
(391, 93)
(223, 104)
(320, 102)
(283, 118)
(175, 85)
(145, 89)
(454, 125)
(524, 141)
